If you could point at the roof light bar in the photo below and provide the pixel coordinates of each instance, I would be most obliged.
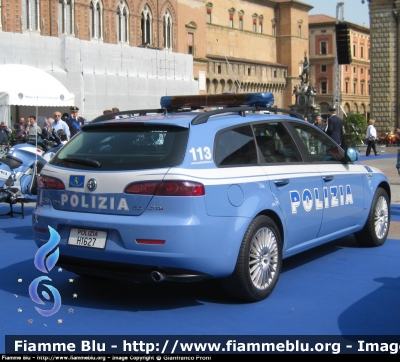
(218, 100)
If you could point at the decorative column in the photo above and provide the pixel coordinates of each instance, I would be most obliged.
(384, 48)
(396, 14)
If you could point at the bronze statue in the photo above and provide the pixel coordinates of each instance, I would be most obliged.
(306, 66)
(296, 91)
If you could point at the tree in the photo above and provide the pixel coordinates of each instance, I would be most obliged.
(355, 127)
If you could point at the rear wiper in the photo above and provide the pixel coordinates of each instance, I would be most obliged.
(82, 161)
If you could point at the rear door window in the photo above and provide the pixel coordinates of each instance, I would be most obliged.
(235, 147)
(275, 143)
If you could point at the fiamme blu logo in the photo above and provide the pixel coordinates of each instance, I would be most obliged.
(45, 260)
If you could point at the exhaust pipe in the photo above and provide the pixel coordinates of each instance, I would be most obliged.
(157, 276)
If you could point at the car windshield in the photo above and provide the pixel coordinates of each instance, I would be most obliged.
(124, 148)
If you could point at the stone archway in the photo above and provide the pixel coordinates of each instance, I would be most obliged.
(229, 85)
(214, 88)
(222, 88)
(362, 110)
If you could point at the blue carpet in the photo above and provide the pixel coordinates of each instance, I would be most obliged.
(362, 157)
(336, 289)
(395, 212)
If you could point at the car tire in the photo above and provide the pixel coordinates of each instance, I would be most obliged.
(259, 262)
(376, 228)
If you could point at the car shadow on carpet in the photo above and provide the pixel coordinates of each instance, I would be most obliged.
(104, 293)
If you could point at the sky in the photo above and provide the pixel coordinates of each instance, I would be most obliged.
(354, 11)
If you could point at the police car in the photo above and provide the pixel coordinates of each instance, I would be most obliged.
(173, 194)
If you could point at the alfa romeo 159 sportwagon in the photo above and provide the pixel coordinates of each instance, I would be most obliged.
(176, 194)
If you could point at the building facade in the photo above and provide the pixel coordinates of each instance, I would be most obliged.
(255, 46)
(237, 45)
(122, 54)
(354, 81)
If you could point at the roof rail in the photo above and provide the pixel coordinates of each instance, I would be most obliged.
(203, 117)
(139, 112)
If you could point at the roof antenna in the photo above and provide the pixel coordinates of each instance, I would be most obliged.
(237, 82)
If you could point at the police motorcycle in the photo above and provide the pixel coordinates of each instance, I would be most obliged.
(19, 169)
(46, 144)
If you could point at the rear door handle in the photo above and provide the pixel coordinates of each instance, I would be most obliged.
(327, 178)
(280, 183)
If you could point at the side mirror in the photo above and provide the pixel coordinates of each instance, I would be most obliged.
(352, 154)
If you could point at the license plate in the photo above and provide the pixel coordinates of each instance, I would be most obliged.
(4, 175)
(88, 238)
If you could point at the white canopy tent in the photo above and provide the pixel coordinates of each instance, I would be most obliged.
(22, 85)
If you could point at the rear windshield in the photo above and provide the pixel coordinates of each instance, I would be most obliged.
(124, 148)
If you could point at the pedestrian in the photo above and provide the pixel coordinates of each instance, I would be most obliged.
(115, 110)
(23, 125)
(74, 122)
(4, 134)
(63, 136)
(397, 133)
(371, 137)
(5, 128)
(335, 126)
(318, 123)
(34, 130)
(60, 124)
(49, 124)
(108, 111)
(19, 135)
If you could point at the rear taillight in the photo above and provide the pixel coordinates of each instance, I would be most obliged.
(46, 182)
(142, 188)
(166, 188)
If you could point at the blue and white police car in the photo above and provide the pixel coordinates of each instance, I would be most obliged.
(172, 194)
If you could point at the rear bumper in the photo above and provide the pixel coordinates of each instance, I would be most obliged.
(197, 245)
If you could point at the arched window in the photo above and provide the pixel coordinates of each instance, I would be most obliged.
(147, 21)
(255, 16)
(65, 17)
(123, 22)
(241, 13)
(209, 7)
(273, 24)
(96, 19)
(231, 14)
(30, 15)
(167, 30)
